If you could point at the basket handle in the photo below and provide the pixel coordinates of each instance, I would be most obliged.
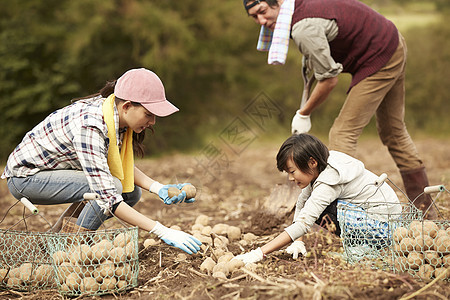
(434, 189)
(380, 180)
(91, 196)
(29, 205)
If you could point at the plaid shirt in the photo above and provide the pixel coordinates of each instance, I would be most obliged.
(73, 137)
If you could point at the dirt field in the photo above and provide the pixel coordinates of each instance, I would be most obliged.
(231, 190)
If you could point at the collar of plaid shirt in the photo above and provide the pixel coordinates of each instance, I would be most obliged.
(277, 42)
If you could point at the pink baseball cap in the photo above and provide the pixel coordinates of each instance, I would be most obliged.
(144, 87)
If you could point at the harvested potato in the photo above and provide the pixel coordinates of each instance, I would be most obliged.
(100, 251)
(118, 255)
(190, 190)
(108, 284)
(234, 264)
(197, 227)
(425, 271)
(221, 242)
(123, 272)
(432, 257)
(219, 275)
(203, 238)
(430, 228)
(14, 273)
(439, 271)
(207, 265)
(407, 244)
(423, 243)
(89, 284)
(401, 264)
(226, 257)
(73, 281)
(400, 233)
(25, 271)
(206, 230)
(81, 254)
(43, 273)
(181, 257)
(66, 268)
(233, 233)
(415, 260)
(121, 284)
(122, 239)
(13, 281)
(150, 242)
(130, 250)
(173, 192)
(221, 267)
(218, 252)
(249, 237)
(220, 229)
(446, 261)
(64, 288)
(442, 244)
(415, 229)
(60, 256)
(175, 227)
(3, 273)
(106, 269)
(202, 220)
(440, 233)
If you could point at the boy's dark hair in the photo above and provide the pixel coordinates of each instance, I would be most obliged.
(301, 148)
(247, 6)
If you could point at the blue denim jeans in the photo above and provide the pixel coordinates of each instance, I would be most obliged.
(66, 186)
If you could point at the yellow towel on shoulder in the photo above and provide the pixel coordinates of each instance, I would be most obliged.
(121, 163)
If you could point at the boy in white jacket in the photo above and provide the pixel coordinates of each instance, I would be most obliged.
(326, 178)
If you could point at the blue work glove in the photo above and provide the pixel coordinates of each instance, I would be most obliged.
(163, 192)
(180, 186)
(177, 238)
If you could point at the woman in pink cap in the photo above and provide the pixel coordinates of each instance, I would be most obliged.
(88, 147)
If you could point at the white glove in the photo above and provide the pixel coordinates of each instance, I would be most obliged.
(177, 238)
(295, 248)
(251, 257)
(300, 123)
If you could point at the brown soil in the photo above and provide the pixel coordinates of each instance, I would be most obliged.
(231, 190)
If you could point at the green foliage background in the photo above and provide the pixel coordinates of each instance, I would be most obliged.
(204, 52)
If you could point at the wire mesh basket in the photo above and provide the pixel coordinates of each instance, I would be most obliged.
(366, 231)
(367, 236)
(25, 265)
(97, 262)
(421, 248)
(72, 259)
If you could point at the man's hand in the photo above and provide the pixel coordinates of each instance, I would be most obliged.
(300, 123)
(251, 257)
(295, 248)
(177, 238)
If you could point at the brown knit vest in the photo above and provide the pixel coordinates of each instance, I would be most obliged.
(366, 40)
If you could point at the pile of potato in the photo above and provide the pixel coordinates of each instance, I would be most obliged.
(220, 263)
(28, 274)
(103, 266)
(423, 249)
(216, 240)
